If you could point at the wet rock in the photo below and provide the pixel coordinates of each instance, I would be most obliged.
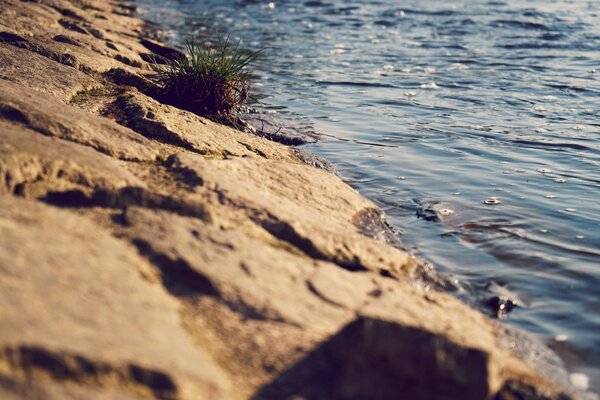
(278, 130)
(501, 301)
(314, 161)
(501, 305)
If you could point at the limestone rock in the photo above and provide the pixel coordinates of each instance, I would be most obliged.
(69, 35)
(234, 267)
(307, 207)
(42, 113)
(185, 129)
(40, 73)
(75, 308)
(32, 165)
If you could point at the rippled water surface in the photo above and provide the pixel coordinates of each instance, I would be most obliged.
(430, 108)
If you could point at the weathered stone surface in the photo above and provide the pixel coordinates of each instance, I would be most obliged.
(70, 35)
(75, 308)
(235, 273)
(182, 128)
(236, 268)
(42, 113)
(40, 73)
(32, 164)
(307, 207)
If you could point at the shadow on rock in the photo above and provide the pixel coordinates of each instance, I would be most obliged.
(378, 359)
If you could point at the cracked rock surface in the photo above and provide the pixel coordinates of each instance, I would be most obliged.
(150, 253)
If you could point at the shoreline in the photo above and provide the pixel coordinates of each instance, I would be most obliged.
(217, 264)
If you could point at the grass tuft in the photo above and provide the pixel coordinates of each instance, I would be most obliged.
(208, 80)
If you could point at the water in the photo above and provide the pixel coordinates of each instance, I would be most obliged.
(480, 116)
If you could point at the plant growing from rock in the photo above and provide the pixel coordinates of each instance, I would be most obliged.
(209, 80)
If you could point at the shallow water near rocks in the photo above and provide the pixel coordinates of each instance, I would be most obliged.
(486, 112)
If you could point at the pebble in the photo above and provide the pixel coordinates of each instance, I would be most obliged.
(444, 212)
(579, 380)
(490, 201)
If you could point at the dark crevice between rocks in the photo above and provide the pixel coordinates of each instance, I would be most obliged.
(80, 26)
(183, 281)
(123, 198)
(515, 390)
(314, 291)
(133, 116)
(13, 114)
(377, 359)
(253, 150)
(285, 232)
(158, 52)
(66, 12)
(178, 277)
(23, 43)
(63, 366)
(66, 39)
(185, 176)
(122, 77)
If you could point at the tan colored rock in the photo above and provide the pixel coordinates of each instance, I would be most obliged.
(70, 35)
(75, 308)
(235, 273)
(251, 277)
(309, 208)
(40, 73)
(185, 129)
(32, 164)
(42, 113)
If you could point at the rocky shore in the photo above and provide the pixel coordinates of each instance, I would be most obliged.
(146, 252)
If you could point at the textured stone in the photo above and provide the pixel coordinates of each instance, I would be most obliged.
(185, 129)
(75, 308)
(309, 208)
(42, 113)
(234, 267)
(32, 165)
(190, 260)
(40, 73)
